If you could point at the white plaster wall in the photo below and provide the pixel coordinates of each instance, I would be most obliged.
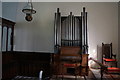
(119, 35)
(38, 35)
(0, 54)
(0, 9)
(9, 10)
(0, 42)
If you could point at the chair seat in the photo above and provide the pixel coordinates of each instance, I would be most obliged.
(113, 69)
(106, 59)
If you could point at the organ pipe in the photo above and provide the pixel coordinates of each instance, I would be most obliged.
(71, 30)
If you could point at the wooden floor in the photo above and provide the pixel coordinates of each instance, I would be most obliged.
(94, 74)
(71, 77)
(59, 77)
(111, 77)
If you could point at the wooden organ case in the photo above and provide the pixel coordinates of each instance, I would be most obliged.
(70, 45)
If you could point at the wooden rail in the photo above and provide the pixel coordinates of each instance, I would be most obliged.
(103, 67)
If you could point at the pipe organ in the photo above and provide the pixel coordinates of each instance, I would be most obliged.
(71, 44)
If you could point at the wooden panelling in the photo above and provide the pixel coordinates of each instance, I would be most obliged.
(9, 66)
(25, 64)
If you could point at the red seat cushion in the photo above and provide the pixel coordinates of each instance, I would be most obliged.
(70, 65)
(113, 69)
(106, 59)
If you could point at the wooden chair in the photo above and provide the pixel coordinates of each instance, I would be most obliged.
(108, 58)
